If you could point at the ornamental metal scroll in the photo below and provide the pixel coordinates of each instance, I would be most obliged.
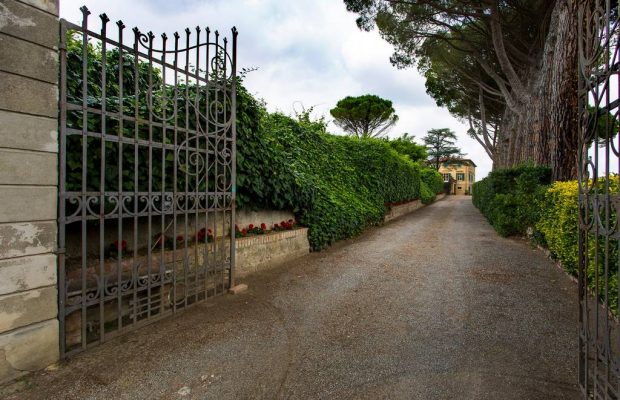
(599, 200)
(147, 176)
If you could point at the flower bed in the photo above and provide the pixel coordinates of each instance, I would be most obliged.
(262, 229)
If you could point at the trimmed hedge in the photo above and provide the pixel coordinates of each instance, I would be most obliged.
(336, 185)
(559, 223)
(431, 184)
(508, 197)
(516, 199)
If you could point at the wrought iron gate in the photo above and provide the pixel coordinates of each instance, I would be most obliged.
(147, 176)
(599, 200)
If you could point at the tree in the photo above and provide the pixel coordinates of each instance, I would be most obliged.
(364, 116)
(507, 67)
(463, 95)
(440, 145)
(406, 145)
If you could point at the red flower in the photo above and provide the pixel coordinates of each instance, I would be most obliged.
(123, 245)
(275, 225)
(263, 226)
(244, 231)
(209, 231)
(180, 238)
(200, 235)
(251, 226)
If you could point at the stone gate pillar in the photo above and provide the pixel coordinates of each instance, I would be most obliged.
(28, 184)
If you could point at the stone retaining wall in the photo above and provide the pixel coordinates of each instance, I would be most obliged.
(28, 180)
(398, 211)
(263, 251)
(220, 225)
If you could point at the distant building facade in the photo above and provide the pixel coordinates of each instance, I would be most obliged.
(459, 173)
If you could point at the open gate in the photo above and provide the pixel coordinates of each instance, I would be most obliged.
(147, 176)
(599, 200)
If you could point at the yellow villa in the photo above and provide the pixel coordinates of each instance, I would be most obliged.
(460, 173)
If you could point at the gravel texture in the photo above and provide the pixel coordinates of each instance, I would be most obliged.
(434, 305)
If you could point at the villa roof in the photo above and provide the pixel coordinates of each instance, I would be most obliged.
(451, 160)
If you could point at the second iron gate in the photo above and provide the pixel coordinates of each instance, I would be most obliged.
(147, 175)
(599, 201)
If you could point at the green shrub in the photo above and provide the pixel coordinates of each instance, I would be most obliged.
(433, 179)
(336, 185)
(559, 223)
(516, 199)
(508, 197)
(426, 194)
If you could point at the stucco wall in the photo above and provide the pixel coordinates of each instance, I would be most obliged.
(465, 167)
(28, 179)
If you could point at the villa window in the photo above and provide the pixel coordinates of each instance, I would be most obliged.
(460, 176)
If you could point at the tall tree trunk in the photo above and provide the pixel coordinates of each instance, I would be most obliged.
(544, 130)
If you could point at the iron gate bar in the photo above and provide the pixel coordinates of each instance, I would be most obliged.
(106, 289)
(598, 24)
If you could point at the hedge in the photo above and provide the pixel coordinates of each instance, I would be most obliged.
(516, 199)
(508, 197)
(559, 223)
(431, 184)
(335, 185)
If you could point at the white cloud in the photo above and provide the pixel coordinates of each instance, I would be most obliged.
(307, 51)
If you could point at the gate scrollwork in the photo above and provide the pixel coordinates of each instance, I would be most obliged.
(147, 168)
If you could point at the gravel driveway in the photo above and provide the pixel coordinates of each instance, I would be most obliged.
(434, 305)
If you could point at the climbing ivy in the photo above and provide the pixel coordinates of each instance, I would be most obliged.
(335, 185)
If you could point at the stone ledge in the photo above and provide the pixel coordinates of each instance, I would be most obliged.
(238, 289)
(394, 212)
(266, 251)
(26, 308)
(28, 349)
(269, 237)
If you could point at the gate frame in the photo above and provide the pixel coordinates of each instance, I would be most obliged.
(598, 62)
(219, 198)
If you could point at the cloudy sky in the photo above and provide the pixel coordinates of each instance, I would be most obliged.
(308, 53)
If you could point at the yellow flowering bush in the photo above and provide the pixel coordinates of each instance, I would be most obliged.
(559, 225)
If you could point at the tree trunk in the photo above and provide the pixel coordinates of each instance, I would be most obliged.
(544, 130)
